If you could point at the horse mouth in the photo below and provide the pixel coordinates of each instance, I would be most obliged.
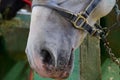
(57, 73)
(60, 72)
(51, 71)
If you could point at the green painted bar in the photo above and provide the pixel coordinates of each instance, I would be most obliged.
(90, 63)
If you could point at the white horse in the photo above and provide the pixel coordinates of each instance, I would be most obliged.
(52, 39)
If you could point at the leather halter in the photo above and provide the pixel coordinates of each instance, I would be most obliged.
(78, 20)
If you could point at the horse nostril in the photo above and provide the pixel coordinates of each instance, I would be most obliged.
(48, 58)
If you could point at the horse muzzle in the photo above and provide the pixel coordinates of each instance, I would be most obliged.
(51, 65)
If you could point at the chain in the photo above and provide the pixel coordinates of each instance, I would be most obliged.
(117, 23)
(103, 33)
(117, 12)
(109, 51)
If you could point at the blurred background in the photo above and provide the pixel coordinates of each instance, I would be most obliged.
(14, 28)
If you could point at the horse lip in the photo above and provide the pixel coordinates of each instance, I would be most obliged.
(62, 73)
(56, 73)
(51, 71)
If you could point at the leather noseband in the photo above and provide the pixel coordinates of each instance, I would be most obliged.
(78, 20)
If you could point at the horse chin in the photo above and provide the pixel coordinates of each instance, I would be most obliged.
(58, 73)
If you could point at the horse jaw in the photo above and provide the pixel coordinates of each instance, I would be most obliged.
(50, 31)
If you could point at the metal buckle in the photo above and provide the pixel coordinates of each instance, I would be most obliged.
(79, 17)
